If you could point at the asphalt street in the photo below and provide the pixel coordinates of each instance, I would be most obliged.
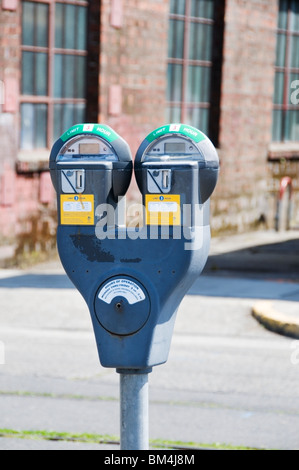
(228, 380)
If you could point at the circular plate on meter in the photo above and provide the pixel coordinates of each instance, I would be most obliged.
(122, 305)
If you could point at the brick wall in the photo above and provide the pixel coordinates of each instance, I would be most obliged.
(246, 113)
(26, 200)
(9, 77)
(128, 67)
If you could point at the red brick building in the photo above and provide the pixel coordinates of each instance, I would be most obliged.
(230, 68)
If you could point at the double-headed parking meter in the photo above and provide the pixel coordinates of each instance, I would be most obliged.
(133, 279)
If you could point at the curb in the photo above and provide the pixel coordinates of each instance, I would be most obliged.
(278, 322)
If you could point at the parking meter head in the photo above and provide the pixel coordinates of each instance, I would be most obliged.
(91, 159)
(173, 148)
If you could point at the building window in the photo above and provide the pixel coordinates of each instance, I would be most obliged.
(53, 70)
(286, 112)
(190, 62)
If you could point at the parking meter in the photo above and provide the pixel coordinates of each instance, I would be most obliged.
(176, 166)
(90, 164)
(133, 279)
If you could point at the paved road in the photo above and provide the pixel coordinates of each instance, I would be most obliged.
(227, 380)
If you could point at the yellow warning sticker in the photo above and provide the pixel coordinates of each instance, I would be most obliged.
(163, 209)
(77, 209)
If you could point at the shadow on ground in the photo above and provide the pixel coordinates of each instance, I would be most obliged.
(276, 260)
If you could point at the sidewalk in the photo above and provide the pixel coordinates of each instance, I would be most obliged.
(268, 255)
(280, 317)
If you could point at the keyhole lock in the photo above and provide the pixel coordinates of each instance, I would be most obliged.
(119, 306)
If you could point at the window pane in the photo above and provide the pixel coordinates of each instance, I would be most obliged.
(35, 24)
(27, 73)
(28, 24)
(64, 76)
(34, 126)
(279, 88)
(173, 114)
(58, 74)
(200, 41)
(79, 113)
(69, 76)
(66, 115)
(34, 73)
(27, 131)
(199, 118)
(41, 74)
(59, 20)
(294, 15)
(198, 84)
(176, 39)
(283, 14)
(177, 7)
(295, 52)
(41, 111)
(70, 27)
(57, 126)
(292, 126)
(202, 8)
(281, 50)
(41, 24)
(175, 77)
(80, 81)
(81, 35)
(277, 126)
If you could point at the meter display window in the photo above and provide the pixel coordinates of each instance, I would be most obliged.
(89, 149)
(176, 147)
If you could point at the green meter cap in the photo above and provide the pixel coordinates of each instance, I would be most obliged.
(89, 153)
(175, 142)
(90, 143)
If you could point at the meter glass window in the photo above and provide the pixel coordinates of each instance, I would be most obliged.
(175, 147)
(89, 149)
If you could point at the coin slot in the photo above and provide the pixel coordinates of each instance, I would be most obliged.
(79, 180)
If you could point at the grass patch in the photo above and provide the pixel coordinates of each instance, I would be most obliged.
(113, 440)
(59, 436)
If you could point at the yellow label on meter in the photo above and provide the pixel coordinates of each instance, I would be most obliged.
(163, 209)
(77, 209)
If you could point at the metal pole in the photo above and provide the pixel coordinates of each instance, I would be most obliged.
(134, 434)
